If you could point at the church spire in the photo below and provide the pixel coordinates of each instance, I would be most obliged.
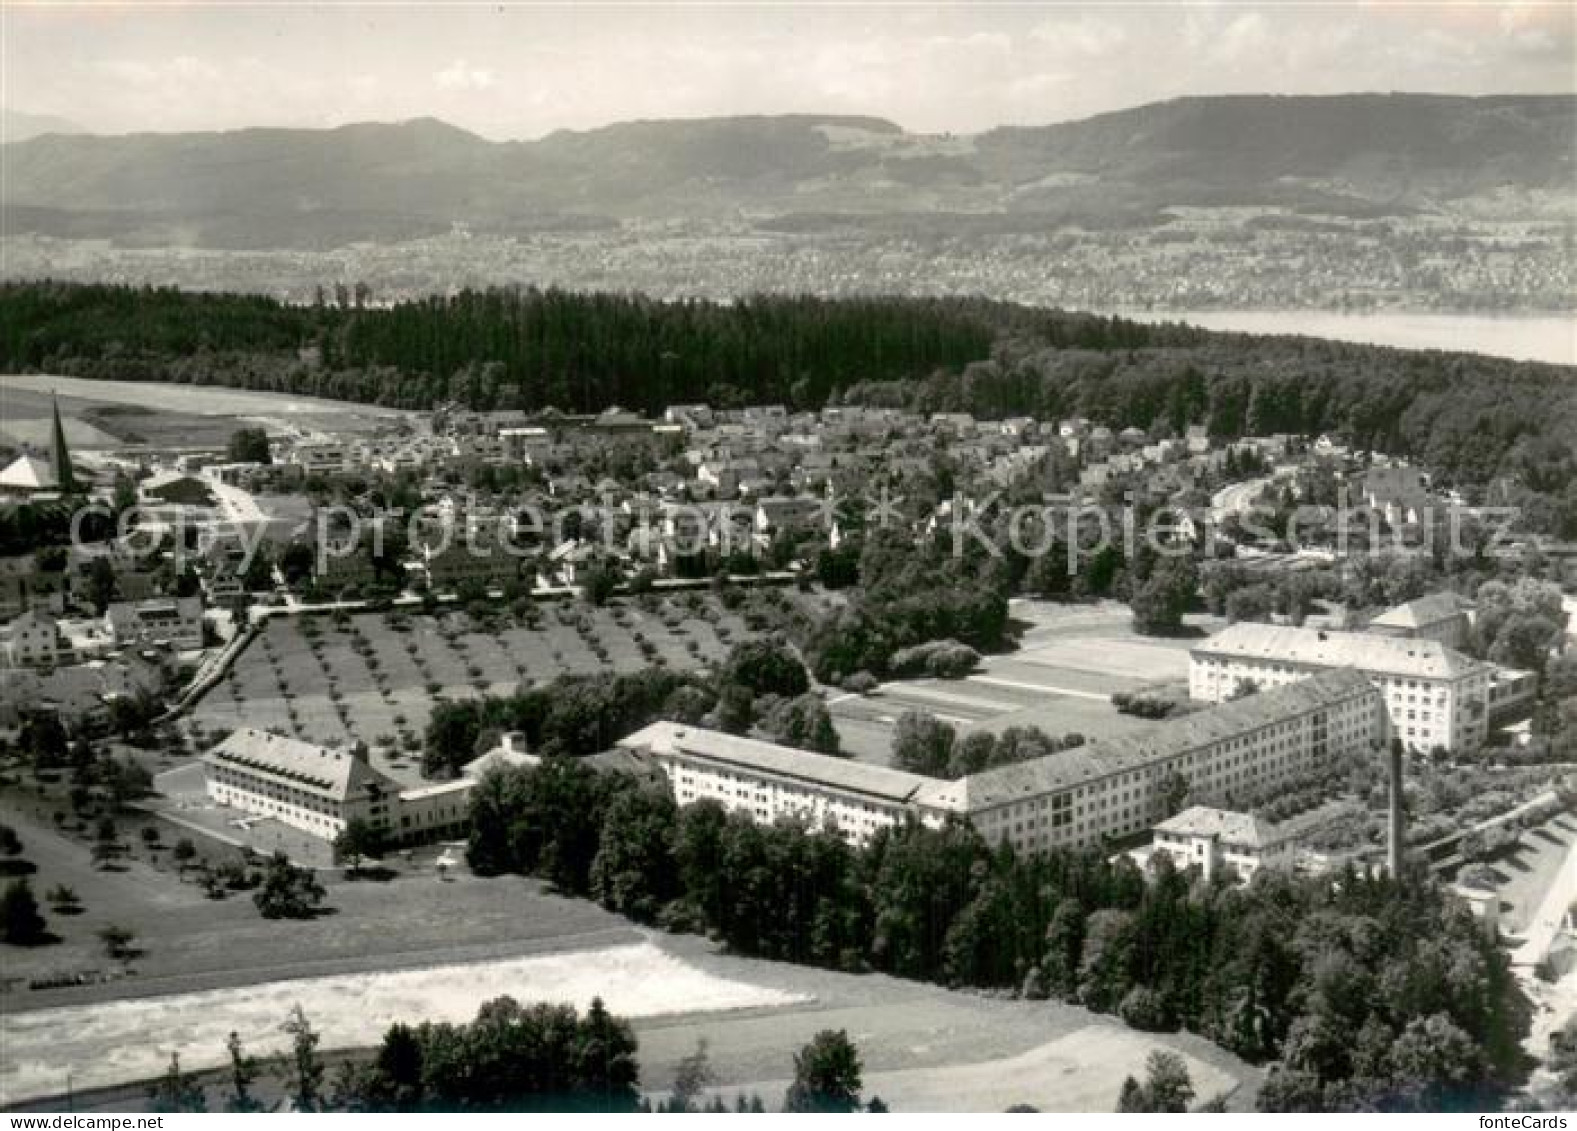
(59, 455)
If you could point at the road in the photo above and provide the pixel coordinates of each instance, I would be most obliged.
(1235, 498)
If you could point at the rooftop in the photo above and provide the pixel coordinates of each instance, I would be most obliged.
(1224, 825)
(878, 782)
(1161, 741)
(1421, 613)
(303, 764)
(1387, 655)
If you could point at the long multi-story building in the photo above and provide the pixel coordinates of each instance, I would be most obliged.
(1121, 786)
(768, 782)
(320, 790)
(1075, 798)
(1435, 695)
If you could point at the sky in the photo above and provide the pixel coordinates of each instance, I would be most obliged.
(518, 70)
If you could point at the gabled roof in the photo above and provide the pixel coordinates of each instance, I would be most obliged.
(333, 774)
(1242, 830)
(1425, 611)
(1367, 652)
(877, 782)
(1159, 742)
(29, 473)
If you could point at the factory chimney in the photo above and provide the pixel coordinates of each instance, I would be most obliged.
(1393, 839)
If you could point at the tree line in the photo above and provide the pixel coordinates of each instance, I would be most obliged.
(512, 1057)
(761, 685)
(1358, 991)
(1470, 416)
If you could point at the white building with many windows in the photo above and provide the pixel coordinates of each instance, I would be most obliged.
(769, 782)
(1121, 786)
(320, 790)
(1075, 798)
(1217, 839)
(173, 621)
(32, 640)
(1435, 696)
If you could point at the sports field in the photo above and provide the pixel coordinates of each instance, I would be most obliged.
(1070, 660)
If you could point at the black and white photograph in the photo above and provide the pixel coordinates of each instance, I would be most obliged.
(572, 559)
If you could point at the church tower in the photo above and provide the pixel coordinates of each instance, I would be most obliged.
(59, 455)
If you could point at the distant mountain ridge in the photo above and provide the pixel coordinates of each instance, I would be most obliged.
(1352, 155)
(17, 125)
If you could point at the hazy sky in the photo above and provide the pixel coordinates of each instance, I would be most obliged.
(522, 70)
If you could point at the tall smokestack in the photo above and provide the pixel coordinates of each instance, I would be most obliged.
(1393, 840)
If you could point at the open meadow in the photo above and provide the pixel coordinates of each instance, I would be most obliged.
(1069, 661)
(118, 415)
(416, 947)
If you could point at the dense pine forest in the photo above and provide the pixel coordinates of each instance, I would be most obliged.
(1468, 416)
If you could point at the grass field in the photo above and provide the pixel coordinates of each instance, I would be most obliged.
(204, 400)
(1069, 662)
(416, 944)
(113, 1042)
(122, 414)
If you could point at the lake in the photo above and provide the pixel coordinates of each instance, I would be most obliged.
(1551, 338)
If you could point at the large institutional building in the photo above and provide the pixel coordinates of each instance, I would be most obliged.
(1074, 798)
(320, 790)
(768, 782)
(1435, 695)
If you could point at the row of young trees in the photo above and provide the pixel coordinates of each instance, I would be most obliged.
(1358, 991)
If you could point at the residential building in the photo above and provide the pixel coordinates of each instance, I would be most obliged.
(1119, 787)
(309, 787)
(173, 621)
(320, 790)
(1213, 839)
(1435, 696)
(79, 694)
(472, 556)
(32, 640)
(778, 515)
(1511, 694)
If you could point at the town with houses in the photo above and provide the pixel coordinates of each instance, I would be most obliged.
(509, 506)
(274, 631)
(575, 560)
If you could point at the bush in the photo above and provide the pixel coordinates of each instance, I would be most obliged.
(860, 683)
(940, 659)
(1142, 704)
(1145, 1009)
(288, 892)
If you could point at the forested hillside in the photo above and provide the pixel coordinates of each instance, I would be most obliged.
(1359, 156)
(1468, 416)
